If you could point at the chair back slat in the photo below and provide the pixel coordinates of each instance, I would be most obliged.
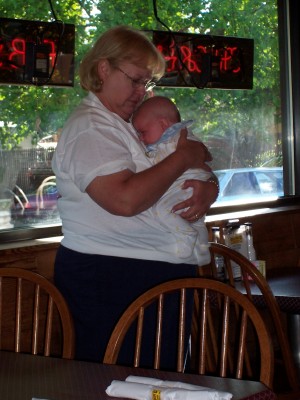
(181, 331)
(35, 326)
(242, 346)
(139, 335)
(225, 335)
(49, 325)
(212, 355)
(160, 307)
(18, 315)
(203, 318)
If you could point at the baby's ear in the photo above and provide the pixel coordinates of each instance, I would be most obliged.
(164, 123)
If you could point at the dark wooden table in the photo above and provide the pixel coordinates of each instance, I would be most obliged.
(285, 285)
(23, 377)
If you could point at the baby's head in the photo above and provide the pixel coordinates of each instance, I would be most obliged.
(153, 117)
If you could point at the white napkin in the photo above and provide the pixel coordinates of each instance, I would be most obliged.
(140, 388)
(159, 382)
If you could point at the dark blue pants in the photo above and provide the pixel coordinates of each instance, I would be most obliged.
(99, 288)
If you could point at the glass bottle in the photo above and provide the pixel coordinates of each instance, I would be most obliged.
(219, 260)
(251, 253)
(235, 239)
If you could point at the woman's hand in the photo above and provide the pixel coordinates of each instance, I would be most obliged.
(205, 193)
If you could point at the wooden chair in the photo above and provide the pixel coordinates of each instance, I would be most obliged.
(251, 274)
(235, 319)
(33, 315)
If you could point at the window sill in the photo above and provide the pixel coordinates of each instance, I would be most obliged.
(44, 242)
(284, 205)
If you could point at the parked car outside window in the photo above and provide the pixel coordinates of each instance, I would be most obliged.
(249, 185)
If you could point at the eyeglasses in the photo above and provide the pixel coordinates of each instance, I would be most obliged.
(148, 85)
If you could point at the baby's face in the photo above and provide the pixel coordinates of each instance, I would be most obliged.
(148, 128)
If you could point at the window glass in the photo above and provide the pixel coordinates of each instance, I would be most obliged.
(242, 128)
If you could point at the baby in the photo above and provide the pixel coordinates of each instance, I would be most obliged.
(158, 124)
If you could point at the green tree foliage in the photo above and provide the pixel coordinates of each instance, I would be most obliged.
(238, 125)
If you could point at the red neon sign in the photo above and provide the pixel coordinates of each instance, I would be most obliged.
(205, 61)
(17, 52)
(29, 53)
(181, 55)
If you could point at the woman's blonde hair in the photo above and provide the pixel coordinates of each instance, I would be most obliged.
(119, 44)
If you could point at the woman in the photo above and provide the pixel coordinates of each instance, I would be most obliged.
(112, 250)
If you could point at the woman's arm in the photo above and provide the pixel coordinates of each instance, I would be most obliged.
(126, 193)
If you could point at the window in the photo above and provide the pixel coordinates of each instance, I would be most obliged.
(244, 129)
